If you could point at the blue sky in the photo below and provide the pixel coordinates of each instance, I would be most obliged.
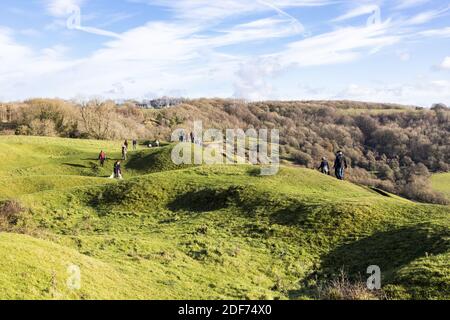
(384, 51)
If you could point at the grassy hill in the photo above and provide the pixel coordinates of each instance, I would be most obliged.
(203, 232)
(441, 183)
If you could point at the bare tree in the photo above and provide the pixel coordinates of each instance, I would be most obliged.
(97, 117)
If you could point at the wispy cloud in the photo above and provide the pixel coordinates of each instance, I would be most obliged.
(427, 16)
(405, 4)
(357, 12)
(62, 8)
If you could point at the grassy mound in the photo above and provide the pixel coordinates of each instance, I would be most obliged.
(37, 269)
(226, 232)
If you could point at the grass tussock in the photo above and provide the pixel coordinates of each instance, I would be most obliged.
(341, 288)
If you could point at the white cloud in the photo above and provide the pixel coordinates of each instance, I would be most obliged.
(61, 8)
(187, 54)
(403, 55)
(421, 92)
(442, 33)
(253, 76)
(445, 64)
(341, 45)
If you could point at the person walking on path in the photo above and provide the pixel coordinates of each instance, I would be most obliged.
(117, 171)
(124, 152)
(324, 166)
(134, 144)
(340, 164)
(102, 158)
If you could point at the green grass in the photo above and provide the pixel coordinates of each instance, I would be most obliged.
(204, 232)
(441, 183)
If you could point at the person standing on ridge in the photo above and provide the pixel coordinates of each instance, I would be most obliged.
(340, 164)
(134, 144)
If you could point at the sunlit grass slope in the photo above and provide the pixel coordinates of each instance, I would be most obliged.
(441, 183)
(205, 231)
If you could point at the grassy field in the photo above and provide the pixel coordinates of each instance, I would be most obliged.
(203, 232)
(441, 183)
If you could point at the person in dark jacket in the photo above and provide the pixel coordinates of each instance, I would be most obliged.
(324, 166)
(117, 170)
(134, 144)
(340, 164)
(124, 152)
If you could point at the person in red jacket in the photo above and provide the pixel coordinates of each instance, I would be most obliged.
(102, 158)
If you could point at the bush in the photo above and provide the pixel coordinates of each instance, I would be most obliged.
(341, 288)
(302, 158)
(10, 212)
(418, 188)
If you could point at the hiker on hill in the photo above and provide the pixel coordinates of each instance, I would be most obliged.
(102, 158)
(117, 171)
(157, 143)
(192, 137)
(324, 166)
(340, 164)
(126, 143)
(124, 151)
(134, 144)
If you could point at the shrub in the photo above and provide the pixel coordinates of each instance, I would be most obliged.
(418, 188)
(10, 211)
(302, 158)
(341, 288)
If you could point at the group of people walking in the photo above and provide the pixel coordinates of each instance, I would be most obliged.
(192, 138)
(340, 164)
(117, 170)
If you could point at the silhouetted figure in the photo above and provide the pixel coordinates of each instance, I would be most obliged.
(324, 166)
(135, 144)
(340, 164)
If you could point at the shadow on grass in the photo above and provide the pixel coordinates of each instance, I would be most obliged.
(75, 165)
(295, 214)
(389, 249)
(205, 200)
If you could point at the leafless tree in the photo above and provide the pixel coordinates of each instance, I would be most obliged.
(97, 117)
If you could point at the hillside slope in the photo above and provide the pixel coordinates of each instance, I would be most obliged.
(207, 231)
(441, 183)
